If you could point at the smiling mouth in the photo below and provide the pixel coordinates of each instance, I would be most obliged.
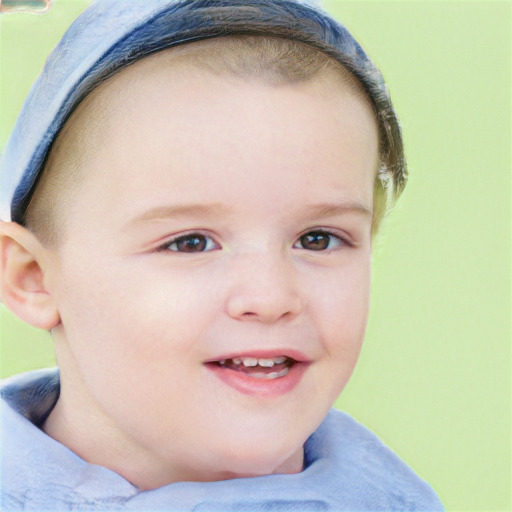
(258, 368)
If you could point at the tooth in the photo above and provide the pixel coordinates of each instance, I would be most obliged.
(282, 373)
(270, 376)
(237, 360)
(267, 363)
(279, 360)
(222, 362)
(250, 361)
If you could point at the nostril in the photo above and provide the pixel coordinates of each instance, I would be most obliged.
(254, 301)
(265, 315)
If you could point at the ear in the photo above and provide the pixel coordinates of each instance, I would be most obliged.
(22, 277)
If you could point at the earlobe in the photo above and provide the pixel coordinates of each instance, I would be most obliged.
(22, 277)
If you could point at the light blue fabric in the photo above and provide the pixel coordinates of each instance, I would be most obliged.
(111, 33)
(347, 468)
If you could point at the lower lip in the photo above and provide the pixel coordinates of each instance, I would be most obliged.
(260, 387)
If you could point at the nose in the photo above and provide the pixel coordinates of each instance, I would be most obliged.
(264, 288)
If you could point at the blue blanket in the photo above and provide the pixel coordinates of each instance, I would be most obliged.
(347, 468)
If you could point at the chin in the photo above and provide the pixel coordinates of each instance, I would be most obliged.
(259, 461)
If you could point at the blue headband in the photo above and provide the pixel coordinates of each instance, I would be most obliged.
(113, 33)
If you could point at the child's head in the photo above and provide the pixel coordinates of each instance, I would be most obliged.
(199, 244)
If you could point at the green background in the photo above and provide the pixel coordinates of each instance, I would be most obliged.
(434, 379)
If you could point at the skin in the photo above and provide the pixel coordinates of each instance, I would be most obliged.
(251, 168)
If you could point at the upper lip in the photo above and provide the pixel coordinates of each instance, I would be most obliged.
(294, 354)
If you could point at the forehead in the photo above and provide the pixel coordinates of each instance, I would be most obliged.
(250, 58)
(163, 129)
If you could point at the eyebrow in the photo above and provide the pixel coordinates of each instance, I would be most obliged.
(215, 210)
(337, 208)
(185, 210)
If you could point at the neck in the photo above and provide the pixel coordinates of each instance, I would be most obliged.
(102, 445)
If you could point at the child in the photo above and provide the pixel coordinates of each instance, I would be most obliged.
(190, 197)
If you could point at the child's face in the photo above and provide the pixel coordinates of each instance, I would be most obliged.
(219, 219)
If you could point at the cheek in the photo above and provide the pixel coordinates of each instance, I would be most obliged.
(341, 307)
(140, 317)
(133, 336)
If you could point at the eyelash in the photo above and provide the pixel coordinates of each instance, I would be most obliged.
(324, 233)
(188, 237)
(212, 245)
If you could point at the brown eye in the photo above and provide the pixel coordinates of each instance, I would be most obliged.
(195, 242)
(319, 241)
